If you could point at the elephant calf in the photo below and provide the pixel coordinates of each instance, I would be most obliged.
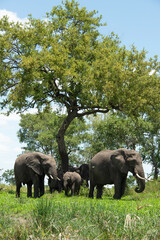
(71, 181)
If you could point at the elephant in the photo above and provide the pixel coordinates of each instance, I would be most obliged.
(31, 168)
(59, 182)
(83, 170)
(112, 167)
(72, 169)
(71, 181)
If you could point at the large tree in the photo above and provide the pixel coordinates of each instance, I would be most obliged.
(38, 131)
(65, 60)
(116, 130)
(8, 176)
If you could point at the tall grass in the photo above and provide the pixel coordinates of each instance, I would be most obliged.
(135, 216)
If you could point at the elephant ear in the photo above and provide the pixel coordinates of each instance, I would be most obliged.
(118, 160)
(35, 164)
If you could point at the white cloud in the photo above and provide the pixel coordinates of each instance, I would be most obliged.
(4, 148)
(5, 119)
(12, 16)
(4, 139)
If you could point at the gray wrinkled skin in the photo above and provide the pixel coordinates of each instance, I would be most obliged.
(71, 181)
(112, 167)
(30, 168)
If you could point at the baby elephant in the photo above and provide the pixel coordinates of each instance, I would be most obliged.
(71, 181)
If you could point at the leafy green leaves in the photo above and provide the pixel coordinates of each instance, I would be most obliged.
(65, 59)
(38, 132)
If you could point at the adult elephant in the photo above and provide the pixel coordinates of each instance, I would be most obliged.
(71, 181)
(111, 167)
(83, 170)
(59, 183)
(31, 168)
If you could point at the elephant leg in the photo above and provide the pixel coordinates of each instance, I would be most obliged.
(18, 186)
(91, 190)
(73, 189)
(36, 186)
(117, 187)
(29, 190)
(87, 183)
(41, 185)
(78, 189)
(99, 191)
(66, 190)
(59, 187)
(123, 185)
(117, 194)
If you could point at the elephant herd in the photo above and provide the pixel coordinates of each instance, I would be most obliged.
(30, 168)
(106, 167)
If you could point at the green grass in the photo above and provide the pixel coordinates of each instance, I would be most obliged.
(135, 216)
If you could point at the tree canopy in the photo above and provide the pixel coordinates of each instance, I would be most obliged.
(64, 60)
(151, 145)
(116, 130)
(8, 176)
(38, 131)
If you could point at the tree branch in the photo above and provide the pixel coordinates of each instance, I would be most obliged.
(92, 112)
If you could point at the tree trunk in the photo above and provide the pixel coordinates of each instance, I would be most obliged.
(155, 165)
(60, 140)
(156, 172)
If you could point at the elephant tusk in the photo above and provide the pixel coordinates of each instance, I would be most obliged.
(142, 177)
(51, 176)
(58, 179)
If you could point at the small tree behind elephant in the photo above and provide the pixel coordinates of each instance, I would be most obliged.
(30, 168)
(71, 181)
(111, 167)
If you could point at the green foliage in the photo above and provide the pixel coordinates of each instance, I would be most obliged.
(8, 176)
(56, 216)
(39, 132)
(0, 176)
(116, 130)
(151, 144)
(64, 59)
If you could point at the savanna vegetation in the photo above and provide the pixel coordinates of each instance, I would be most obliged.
(64, 61)
(135, 216)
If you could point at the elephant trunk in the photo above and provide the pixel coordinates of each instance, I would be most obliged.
(140, 178)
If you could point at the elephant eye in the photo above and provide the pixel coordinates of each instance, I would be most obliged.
(132, 162)
(46, 166)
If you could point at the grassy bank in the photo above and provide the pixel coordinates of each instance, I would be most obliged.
(135, 216)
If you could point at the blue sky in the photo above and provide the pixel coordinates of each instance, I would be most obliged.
(135, 22)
